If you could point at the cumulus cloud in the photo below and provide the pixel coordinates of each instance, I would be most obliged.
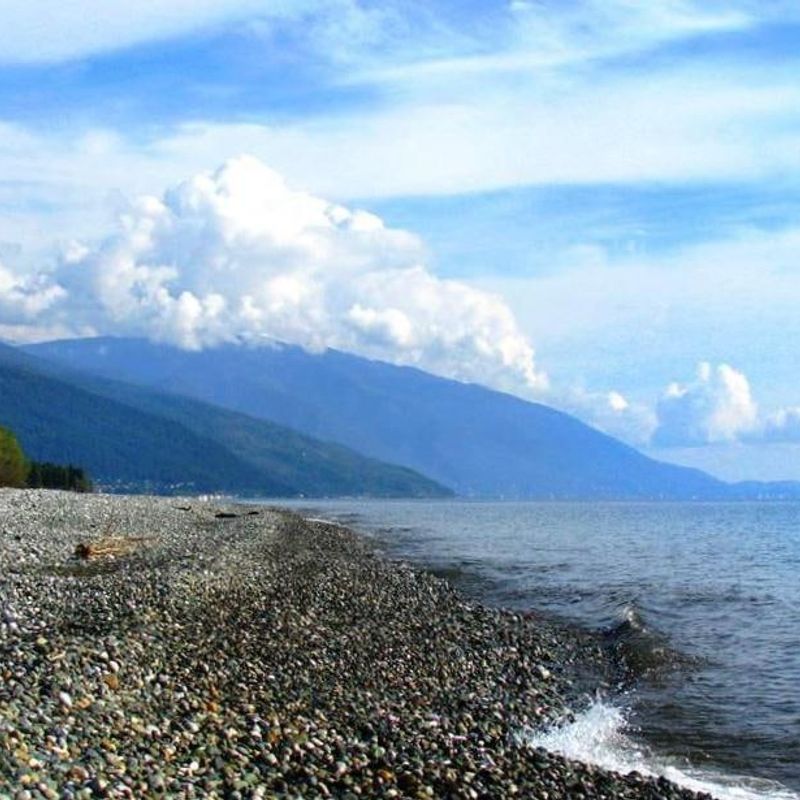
(610, 412)
(239, 256)
(24, 298)
(716, 407)
(24, 301)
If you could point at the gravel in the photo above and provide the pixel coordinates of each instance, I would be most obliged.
(241, 652)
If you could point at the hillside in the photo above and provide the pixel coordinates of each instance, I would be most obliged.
(139, 439)
(475, 440)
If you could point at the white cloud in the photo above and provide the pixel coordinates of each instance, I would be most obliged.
(629, 320)
(482, 138)
(676, 124)
(23, 299)
(237, 255)
(629, 131)
(446, 125)
(716, 407)
(601, 316)
(629, 24)
(548, 36)
(719, 408)
(44, 31)
(617, 402)
(782, 426)
(337, 31)
(438, 135)
(610, 412)
(411, 34)
(715, 411)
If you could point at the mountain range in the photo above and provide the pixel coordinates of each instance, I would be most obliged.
(475, 441)
(137, 439)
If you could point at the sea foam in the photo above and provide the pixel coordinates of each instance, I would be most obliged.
(599, 736)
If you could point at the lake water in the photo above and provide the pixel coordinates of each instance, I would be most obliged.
(713, 590)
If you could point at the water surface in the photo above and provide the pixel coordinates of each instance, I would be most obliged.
(715, 583)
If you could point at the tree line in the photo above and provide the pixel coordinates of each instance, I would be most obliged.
(18, 471)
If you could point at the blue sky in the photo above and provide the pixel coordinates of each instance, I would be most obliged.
(623, 176)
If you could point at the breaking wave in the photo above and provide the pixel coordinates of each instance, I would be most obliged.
(599, 735)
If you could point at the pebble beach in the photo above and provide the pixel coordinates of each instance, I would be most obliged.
(227, 651)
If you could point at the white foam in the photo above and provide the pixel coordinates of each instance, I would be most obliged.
(323, 520)
(598, 736)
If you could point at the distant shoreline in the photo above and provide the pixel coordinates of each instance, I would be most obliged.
(222, 650)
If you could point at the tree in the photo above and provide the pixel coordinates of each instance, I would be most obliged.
(45, 475)
(17, 471)
(13, 464)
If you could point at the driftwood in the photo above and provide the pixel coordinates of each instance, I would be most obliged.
(109, 546)
(231, 515)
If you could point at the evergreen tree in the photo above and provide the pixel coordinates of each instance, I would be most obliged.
(46, 475)
(35, 476)
(17, 471)
(13, 465)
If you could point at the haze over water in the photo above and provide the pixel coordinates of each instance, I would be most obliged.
(714, 585)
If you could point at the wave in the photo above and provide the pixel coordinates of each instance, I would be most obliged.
(639, 649)
(599, 736)
(325, 521)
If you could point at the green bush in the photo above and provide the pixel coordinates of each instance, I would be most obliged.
(13, 464)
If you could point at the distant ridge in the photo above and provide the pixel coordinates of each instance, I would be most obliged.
(480, 442)
(136, 439)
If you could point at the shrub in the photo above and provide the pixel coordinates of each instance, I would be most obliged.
(13, 464)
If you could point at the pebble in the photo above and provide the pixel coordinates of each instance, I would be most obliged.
(255, 656)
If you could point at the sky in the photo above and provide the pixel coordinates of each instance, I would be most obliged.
(590, 203)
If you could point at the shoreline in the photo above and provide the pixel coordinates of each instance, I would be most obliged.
(240, 651)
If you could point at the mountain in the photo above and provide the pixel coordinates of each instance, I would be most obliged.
(136, 438)
(478, 441)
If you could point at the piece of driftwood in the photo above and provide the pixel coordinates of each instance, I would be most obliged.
(110, 546)
(231, 515)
